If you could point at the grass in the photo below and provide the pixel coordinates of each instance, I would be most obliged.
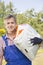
(39, 58)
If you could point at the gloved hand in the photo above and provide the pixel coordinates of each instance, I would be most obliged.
(36, 40)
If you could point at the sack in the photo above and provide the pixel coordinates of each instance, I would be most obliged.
(23, 43)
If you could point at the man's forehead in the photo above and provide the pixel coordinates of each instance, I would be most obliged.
(9, 20)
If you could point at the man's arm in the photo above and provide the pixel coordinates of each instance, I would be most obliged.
(1, 56)
(1, 52)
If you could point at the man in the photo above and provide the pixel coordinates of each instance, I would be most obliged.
(7, 48)
(11, 53)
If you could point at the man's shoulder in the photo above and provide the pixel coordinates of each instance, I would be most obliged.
(1, 37)
(1, 40)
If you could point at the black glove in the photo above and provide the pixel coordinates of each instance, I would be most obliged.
(36, 40)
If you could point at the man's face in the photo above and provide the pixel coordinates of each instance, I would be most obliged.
(10, 25)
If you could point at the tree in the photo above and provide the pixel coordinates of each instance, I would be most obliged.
(2, 9)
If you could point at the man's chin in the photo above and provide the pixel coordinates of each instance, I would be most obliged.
(10, 31)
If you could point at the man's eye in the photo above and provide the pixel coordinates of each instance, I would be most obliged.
(8, 23)
(12, 22)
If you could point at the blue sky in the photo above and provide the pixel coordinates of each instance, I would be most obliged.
(23, 5)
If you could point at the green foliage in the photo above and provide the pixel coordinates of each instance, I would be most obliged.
(2, 31)
(35, 19)
(1, 23)
(21, 19)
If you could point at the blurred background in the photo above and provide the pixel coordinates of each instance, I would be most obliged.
(26, 11)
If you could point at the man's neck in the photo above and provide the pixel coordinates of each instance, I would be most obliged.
(12, 35)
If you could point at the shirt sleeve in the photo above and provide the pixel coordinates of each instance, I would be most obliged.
(1, 47)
